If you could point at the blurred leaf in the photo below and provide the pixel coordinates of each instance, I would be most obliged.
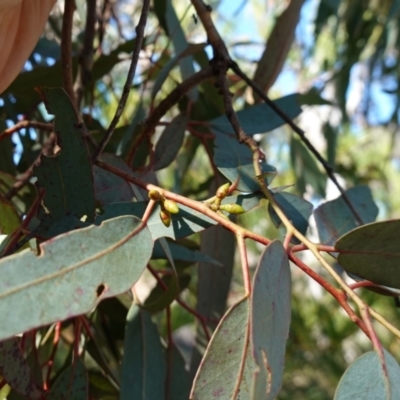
(366, 379)
(306, 168)
(9, 218)
(277, 47)
(182, 253)
(188, 51)
(143, 363)
(258, 118)
(159, 298)
(372, 252)
(71, 384)
(270, 320)
(226, 350)
(295, 208)
(331, 137)
(64, 193)
(334, 218)
(312, 98)
(170, 142)
(66, 282)
(6, 150)
(16, 371)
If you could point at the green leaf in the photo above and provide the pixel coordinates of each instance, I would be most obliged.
(259, 118)
(235, 159)
(170, 142)
(366, 379)
(219, 371)
(183, 253)
(143, 363)
(73, 272)
(270, 320)
(334, 218)
(159, 298)
(110, 188)
(16, 371)
(372, 252)
(67, 178)
(9, 218)
(295, 208)
(179, 385)
(71, 384)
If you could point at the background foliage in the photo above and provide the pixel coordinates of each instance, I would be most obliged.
(332, 66)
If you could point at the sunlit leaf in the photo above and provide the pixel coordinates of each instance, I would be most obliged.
(366, 379)
(334, 218)
(372, 252)
(270, 320)
(73, 272)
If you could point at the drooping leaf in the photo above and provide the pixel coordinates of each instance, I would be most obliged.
(67, 178)
(334, 218)
(143, 363)
(71, 384)
(278, 46)
(179, 385)
(295, 208)
(226, 352)
(372, 252)
(159, 298)
(366, 379)
(170, 142)
(110, 188)
(73, 272)
(16, 371)
(270, 320)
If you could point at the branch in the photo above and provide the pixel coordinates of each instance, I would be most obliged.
(66, 49)
(127, 87)
(150, 124)
(302, 136)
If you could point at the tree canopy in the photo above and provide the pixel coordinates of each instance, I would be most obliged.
(199, 200)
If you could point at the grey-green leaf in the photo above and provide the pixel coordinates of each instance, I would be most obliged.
(71, 384)
(366, 379)
(220, 370)
(143, 363)
(72, 273)
(334, 218)
(270, 320)
(372, 252)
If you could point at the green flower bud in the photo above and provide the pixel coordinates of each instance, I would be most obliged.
(222, 191)
(165, 217)
(171, 206)
(232, 208)
(154, 195)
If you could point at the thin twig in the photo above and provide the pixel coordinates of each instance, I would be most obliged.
(66, 49)
(151, 122)
(302, 136)
(26, 124)
(127, 87)
(244, 263)
(84, 76)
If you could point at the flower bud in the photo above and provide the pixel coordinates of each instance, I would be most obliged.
(222, 191)
(165, 217)
(171, 206)
(232, 208)
(154, 195)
